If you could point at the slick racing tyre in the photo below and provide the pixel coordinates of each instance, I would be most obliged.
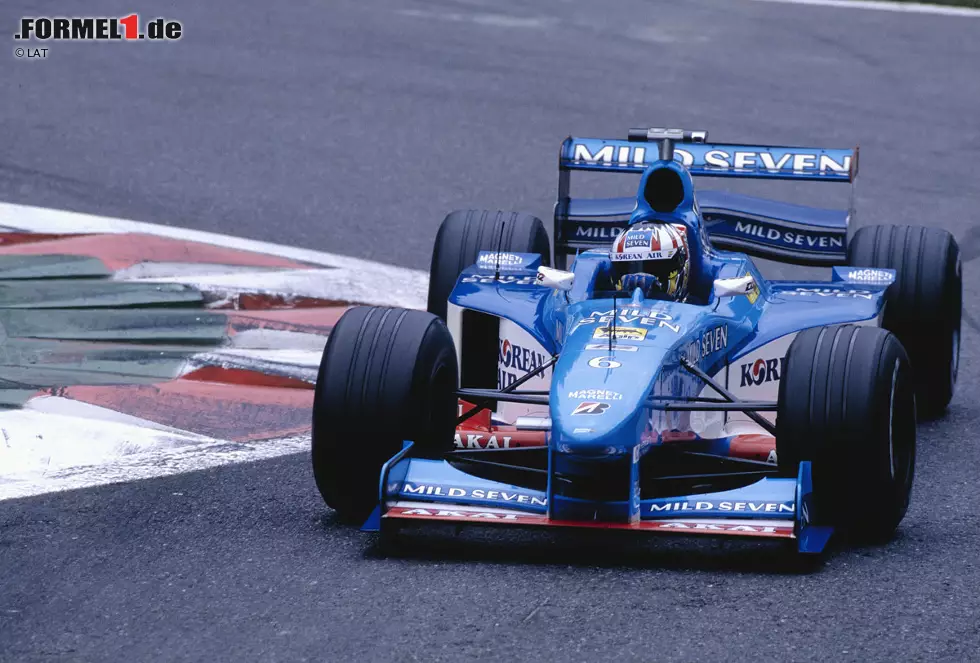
(924, 305)
(464, 233)
(387, 375)
(847, 404)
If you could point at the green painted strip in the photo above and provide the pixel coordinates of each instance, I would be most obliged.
(51, 266)
(40, 363)
(94, 294)
(55, 376)
(172, 326)
(15, 396)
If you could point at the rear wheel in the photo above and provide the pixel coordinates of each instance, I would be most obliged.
(387, 375)
(847, 405)
(464, 233)
(923, 306)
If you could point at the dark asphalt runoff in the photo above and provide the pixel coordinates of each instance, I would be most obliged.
(354, 126)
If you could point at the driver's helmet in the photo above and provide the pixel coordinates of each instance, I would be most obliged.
(653, 257)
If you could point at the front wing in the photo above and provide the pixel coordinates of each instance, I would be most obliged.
(488, 515)
(422, 490)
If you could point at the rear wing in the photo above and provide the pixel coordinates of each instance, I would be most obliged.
(713, 159)
(778, 231)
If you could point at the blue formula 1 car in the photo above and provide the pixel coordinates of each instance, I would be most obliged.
(651, 379)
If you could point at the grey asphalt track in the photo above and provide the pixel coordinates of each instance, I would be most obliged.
(353, 127)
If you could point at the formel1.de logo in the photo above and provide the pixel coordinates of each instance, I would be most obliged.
(97, 28)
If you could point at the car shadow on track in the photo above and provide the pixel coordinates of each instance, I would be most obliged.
(441, 544)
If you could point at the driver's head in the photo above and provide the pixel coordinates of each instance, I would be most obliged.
(653, 257)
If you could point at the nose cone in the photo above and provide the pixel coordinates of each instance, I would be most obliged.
(595, 414)
(601, 385)
(612, 357)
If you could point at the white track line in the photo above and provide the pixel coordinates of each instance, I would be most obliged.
(121, 466)
(880, 5)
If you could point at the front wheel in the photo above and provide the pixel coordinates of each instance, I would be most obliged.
(387, 375)
(847, 405)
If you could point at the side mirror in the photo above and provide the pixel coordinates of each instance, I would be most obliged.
(555, 278)
(743, 285)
